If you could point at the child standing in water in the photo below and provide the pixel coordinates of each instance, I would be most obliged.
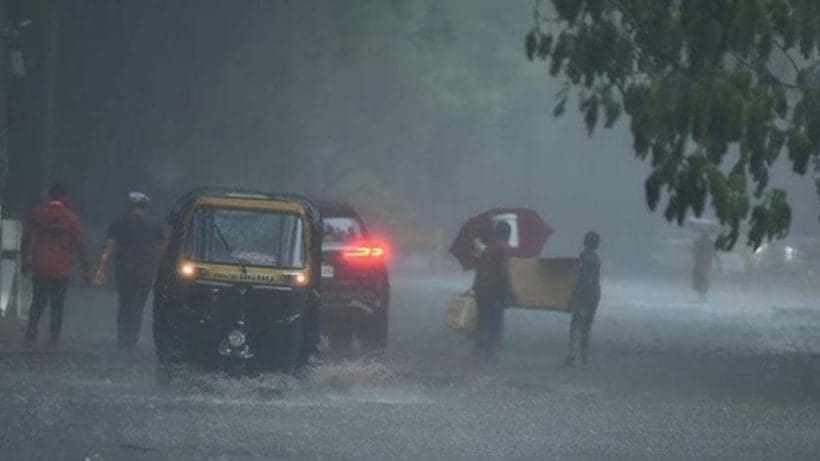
(584, 301)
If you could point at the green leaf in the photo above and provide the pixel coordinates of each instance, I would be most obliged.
(568, 9)
(559, 54)
(530, 43)
(612, 108)
(560, 108)
(800, 150)
(591, 107)
(806, 78)
(544, 46)
(764, 45)
(653, 191)
(781, 105)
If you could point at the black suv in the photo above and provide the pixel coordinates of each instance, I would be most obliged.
(355, 284)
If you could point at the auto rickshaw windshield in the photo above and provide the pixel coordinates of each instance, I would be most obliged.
(252, 237)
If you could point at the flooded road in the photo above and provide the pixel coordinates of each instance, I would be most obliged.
(735, 378)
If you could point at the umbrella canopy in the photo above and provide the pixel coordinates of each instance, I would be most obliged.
(530, 232)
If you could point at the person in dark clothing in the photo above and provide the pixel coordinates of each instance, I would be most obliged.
(584, 301)
(492, 291)
(135, 242)
(51, 235)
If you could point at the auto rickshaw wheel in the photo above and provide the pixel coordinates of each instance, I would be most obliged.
(311, 335)
(292, 356)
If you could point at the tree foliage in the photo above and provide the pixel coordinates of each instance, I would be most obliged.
(716, 91)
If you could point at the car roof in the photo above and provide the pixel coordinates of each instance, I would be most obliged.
(335, 208)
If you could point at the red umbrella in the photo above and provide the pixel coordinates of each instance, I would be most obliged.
(532, 232)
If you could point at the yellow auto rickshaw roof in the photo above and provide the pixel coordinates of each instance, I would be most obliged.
(251, 202)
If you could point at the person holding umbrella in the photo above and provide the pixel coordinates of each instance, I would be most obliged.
(483, 244)
(492, 291)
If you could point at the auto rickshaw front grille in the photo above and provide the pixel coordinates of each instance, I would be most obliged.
(262, 308)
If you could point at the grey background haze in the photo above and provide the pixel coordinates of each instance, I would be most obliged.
(430, 105)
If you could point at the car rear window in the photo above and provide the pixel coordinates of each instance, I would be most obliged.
(341, 229)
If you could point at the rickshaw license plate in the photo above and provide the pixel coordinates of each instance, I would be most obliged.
(327, 271)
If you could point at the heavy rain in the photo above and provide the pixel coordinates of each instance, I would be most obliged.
(279, 228)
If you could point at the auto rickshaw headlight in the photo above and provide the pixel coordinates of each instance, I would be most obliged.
(187, 270)
(297, 278)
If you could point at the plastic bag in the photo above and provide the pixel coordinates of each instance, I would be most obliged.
(462, 315)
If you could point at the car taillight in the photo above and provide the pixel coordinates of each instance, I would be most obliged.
(365, 253)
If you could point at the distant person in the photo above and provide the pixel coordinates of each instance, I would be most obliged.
(135, 242)
(584, 300)
(492, 291)
(704, 253)
(51, 235)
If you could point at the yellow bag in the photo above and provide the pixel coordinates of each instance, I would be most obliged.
(462, 315)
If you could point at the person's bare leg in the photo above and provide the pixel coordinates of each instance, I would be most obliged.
(574, 345)
(584, 341)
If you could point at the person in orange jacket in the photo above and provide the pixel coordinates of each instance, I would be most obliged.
(52, 234)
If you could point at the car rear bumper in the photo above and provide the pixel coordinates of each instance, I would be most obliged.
(342, 297)
(367, 306)
(366, 300)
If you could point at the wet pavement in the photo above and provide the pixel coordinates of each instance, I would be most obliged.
(735, 378)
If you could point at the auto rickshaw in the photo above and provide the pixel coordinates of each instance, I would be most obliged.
(239, 281)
